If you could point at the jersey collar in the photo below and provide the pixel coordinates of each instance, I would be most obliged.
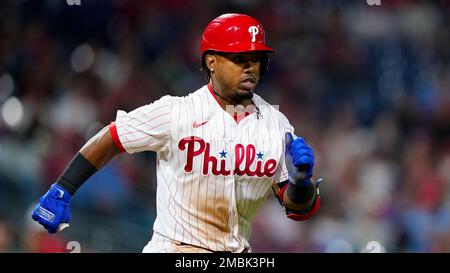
(237, 118)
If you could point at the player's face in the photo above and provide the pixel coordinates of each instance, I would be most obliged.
(238, 72)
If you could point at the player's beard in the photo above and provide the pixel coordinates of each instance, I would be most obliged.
(242, 95)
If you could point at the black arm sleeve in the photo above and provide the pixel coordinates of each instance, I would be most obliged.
(76, 173)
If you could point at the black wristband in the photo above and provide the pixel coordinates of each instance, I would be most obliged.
(300, 195)
(76, 173)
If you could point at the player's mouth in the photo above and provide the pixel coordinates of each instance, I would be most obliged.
(248, 83)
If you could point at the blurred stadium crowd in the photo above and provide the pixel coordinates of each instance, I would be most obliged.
(367, 86)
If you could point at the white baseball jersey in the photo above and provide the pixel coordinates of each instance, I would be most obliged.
(213, 172)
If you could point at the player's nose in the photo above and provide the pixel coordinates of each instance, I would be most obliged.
(250, 66)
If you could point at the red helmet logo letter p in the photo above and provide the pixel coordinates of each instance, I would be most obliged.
(254, 30)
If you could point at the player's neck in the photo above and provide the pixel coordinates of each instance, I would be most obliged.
(225, 97)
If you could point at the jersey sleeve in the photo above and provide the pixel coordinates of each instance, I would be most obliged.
(146, 128)
(281, 173)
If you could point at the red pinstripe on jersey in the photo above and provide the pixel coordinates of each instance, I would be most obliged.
(209, 189)
(142, 138)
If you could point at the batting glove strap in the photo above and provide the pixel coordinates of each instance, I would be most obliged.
(59, 192)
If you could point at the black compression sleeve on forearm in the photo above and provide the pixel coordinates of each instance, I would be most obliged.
(76, 173)
(300, 195)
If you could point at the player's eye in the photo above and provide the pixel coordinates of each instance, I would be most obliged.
(256, 58)
(238, 59)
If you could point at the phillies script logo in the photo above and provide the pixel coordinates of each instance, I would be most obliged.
(245, 157)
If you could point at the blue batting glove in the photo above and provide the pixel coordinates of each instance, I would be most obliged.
(299, 159)
(53, 209)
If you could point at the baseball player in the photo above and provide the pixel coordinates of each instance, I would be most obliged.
(220, 151)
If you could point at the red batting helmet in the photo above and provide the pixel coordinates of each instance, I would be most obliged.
(234, 32)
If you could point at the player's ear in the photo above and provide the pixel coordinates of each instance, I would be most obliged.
(210, 61)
